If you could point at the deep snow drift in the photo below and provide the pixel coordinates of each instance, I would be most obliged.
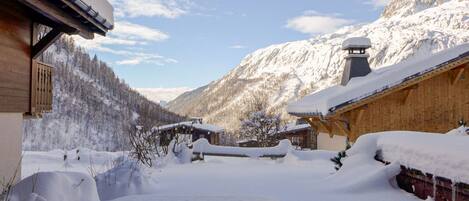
(300, 175)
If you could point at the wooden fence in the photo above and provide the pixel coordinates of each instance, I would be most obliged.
(41, 88)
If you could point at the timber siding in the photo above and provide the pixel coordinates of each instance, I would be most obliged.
(433, 105)
(434, 102)
(15, 68)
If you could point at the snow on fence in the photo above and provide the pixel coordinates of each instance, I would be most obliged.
(432, 165)
(202, 147)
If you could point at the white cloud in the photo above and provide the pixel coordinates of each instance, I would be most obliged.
(150, 8)
(237, 47)
(378, 3)
(135, 58)
(311, 22)
(130, 31)
(131, 36)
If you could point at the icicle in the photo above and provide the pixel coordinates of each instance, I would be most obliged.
(434, 186)
(453, 191)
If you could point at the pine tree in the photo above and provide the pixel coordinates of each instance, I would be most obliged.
(341, 155)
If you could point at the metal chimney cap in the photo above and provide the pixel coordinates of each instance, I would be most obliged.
(356, 43)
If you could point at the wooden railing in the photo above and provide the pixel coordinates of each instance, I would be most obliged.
(41, 88)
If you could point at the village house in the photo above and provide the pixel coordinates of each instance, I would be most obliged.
(190, 131)
(26, 83)
(429, 93)
(300, 135)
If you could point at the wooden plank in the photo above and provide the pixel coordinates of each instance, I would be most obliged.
(341, 126)
(86, 16)
(406, 84)
(69, 24)
(408, 92)
(455, 75)
(45, 42)
(359, 116)
(326, 126)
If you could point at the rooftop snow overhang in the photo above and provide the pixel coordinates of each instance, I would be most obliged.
(318, 104)
(83, 17)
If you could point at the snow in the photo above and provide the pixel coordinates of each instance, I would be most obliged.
(289, 71)
(97, 161)
(325, 101)
(294, 127)
(203, 146)
(203, 126)
(356, 42)
(299, 176)
(126, 178)
(55, 186)
(442, 155)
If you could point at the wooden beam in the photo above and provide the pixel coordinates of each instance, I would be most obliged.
(359, 116)
(57, 15)
(456, 74)
(408, 92)
(45, 42)
(326, 127)
(342, 127)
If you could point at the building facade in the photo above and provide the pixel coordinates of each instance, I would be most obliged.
(28, 28)
(428, 94)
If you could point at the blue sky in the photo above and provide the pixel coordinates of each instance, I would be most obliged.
(185, 43)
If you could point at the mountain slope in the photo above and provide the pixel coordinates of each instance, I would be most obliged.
(92, 107)
(289, 71)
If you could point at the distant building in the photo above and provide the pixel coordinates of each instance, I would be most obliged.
(301, 135)
(248, 143)
(26, 83)
(430, 93)
(190, 131)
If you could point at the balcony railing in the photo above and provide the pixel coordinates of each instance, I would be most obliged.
(41, 88)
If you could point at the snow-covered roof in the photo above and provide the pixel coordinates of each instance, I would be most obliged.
(328, 100)
(197, 125)
(356, 42)
(293, 127)
(444, 155)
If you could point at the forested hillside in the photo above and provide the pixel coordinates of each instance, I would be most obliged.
(92, 107)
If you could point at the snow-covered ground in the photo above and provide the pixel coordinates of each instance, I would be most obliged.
(299, 176)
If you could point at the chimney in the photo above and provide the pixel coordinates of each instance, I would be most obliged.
(356, 62)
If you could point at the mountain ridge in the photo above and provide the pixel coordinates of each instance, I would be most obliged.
(289, 71)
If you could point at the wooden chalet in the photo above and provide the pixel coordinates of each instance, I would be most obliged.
(190, 131)
(26, 83)
(301, 135)
(429, 94)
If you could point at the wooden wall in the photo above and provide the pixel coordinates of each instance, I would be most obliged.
(434, 105)
(14, 58)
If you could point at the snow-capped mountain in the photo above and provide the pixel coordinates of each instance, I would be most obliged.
(162, 95)
(289, 71)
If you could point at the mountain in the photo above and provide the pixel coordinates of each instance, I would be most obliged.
(162, 95)
(289, 71)
(92, 107)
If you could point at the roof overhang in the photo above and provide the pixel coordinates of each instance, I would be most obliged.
(335, 111)
(72, 16)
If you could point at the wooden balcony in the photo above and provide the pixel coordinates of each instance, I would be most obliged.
(41, 88)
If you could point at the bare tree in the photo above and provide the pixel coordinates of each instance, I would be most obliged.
(143, 143)
(258, 123)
